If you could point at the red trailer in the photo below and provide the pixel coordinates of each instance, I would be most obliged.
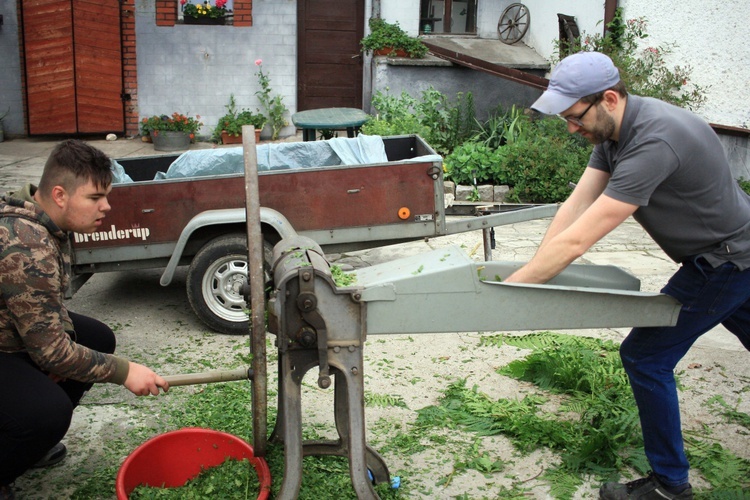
(200, 221)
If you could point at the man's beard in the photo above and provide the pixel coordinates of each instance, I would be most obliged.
(603, 128)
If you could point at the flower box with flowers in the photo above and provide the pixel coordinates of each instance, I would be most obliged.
(204, 13)
(171, 133)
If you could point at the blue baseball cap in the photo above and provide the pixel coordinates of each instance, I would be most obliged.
(576, 76)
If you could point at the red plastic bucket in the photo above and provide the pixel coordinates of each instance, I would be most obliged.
(173, 458)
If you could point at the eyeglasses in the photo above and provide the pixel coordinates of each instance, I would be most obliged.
(576, 120)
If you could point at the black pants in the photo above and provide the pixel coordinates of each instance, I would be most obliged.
(35, 412)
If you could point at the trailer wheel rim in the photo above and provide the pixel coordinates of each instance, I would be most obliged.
(222, 288)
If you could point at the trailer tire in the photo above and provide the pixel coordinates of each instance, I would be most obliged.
(215, 279)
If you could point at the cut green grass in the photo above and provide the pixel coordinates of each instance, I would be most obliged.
(580, 411)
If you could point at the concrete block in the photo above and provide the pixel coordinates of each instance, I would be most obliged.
(449, 187)
(464, 193)
(485, 192)
(500, 193)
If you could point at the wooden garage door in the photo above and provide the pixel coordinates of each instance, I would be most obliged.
(73, 66)
(329, 58)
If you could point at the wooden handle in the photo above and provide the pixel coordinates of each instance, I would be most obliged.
(208, 377)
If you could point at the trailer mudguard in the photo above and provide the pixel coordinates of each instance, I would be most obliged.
(268, 216)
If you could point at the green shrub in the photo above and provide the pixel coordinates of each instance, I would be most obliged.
(471, 163)
(539, 159)
(450, 123)
(502, 127)
(541, 168)
(744, 184)
(395, 115)
(397, 126)
(443, 124)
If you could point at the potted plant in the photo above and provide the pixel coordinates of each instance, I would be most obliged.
(171, 133)
(204, 13)
(273, 105)
(229, 127)
(389, 39)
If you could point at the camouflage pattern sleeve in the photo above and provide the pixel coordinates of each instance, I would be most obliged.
(32, 266)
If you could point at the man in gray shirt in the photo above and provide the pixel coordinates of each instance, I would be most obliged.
(664, 166)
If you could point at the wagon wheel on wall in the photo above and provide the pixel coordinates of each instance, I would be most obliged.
(513, 23)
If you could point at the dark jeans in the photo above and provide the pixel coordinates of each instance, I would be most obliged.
(35, 412)
(709, 296)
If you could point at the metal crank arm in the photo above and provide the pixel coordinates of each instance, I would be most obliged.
(307, 303)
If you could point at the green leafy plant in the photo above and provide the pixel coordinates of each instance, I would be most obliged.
(387, 36)
(175, 123)
(450, 123)
(541, 167)
(744, 184)
(385, 400)
(444, 125)
(471, 164)
(644, 71)
(538, 158)
(731, 414)
(273, 105)
(502, 127)
(204, 10)
(233, 121)
(395, 115)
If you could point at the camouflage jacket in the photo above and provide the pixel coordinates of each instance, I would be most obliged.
(35, 265)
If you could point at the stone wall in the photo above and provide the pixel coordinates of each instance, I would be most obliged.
(413, 76)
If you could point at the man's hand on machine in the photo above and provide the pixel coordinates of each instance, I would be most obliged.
(142, 381)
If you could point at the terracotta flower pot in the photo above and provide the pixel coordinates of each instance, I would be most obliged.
(390, 51)
(237, 139)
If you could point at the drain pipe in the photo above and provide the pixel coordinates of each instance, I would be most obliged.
(610, 6)
(368, 66)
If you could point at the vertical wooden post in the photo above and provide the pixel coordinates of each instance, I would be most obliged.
(257, 298)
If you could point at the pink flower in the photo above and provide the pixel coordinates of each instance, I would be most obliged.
(183, 2)
(258, 62)
(221, 3)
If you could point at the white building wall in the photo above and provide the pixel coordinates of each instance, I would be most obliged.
(405, 12)
(711, 36)
(193, 69)
(544, 30)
